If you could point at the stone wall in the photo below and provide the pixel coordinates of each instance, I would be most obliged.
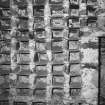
(49, 51)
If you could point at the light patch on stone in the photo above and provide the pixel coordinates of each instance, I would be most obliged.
(86, 39)
(87, 74)
(90, 95)
(13, 76)
(89, 55)
(85, 29)
(86, 77)
(32, 52)
(31, 80)
(66, 85)
(24, 79)
(13, 56)
(97, 33)
(101, 3)
(49, 53)
(89, 90)
(66, 3)
(82, 6)
(94, 79)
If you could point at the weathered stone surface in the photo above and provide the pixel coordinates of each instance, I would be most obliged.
(41, 82)
(41, 71)
(51, 51)
(39, 94)
(58, 81)
(58, 70)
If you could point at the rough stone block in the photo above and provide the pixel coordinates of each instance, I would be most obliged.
(74, 56)
(5, 35)
(57, 10)
(5, 69)
(4, 81)
(58, 69)
(24, 47)
(74, 33)
(74, 69)
(40, 46)
(41, 82)
(58, 92)
(23, 92)
(4, 94)
(5, 3)
(22, 24)
(38, 11)
(43, 58)
(23, 58)
(57, 22)
(75, 82)
(74, 92)
(59, 58)
(38, 22)
(24, 70)
(58, 81)
(73, 45)
(23, 82)
(39, 94)
(40, 33)
(57, 33)
(57, 46)
(41, 71)
(5, 59)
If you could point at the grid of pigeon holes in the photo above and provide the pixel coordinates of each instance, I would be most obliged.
(56, 58)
